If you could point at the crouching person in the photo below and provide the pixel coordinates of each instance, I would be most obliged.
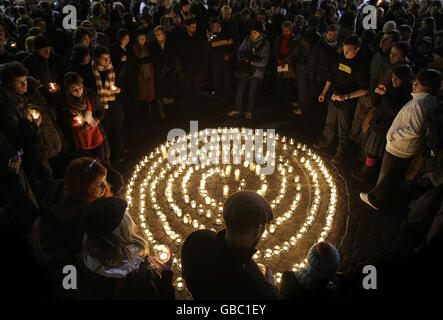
(219, 265)
(115, 258)
(316, 279)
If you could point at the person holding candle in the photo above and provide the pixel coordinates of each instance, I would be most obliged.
(116, 259)
(46, 65)
(27, 121)
(107, 89)
(219, 265)
(80, 114)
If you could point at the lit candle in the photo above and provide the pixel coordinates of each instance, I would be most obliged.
(237, 174)
(163, 253)
(225, 191)
(113, 87)
(13, 44)
(193, 204)
(164, 152)
(257, 169)
(228, 171)
(34, 113)
(252, 167)
(246, 164)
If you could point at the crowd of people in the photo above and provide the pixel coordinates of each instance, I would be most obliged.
(66, 96)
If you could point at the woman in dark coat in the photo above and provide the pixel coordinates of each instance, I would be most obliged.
(164, 58)
(115, 258)
(389, 100)
(80, 63)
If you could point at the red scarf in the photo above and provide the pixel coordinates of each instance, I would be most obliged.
(284, 50)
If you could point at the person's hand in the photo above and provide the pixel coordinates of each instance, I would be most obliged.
(226, 57)
(38, 121)
(115, 89)
(14, 166)
(321, 98)
(340, 97)
(268, 275)
(381, 89)
(124, 58)
(162, 266)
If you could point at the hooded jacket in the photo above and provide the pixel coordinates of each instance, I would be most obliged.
(405, 137)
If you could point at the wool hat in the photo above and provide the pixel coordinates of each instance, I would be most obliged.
(323, 260)
(41, 42)
(388, 26)
(139, 32)
(104, 215)
(257, 26)
(246, 209)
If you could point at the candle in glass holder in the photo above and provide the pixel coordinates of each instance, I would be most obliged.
(193, 204)
(257, 169)
(113, 87)
(34, 114)
(162, 253)
(228, 171)
(13, 44)
(237, 174)
(225, 191)
(164, 152)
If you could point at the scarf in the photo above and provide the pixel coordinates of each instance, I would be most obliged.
(331, 44)
(104, 90)
(79, 106)
(122, 270)
(284, 49)
(253, 45)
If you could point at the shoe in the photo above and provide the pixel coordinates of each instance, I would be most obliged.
(248, 115)
(233, 113)
(365, 199)
(297, 111)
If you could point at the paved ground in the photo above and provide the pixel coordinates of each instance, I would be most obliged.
(362, 236)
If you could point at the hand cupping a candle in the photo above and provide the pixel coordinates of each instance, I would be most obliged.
(53, 87)
(34, 116)
(115, 89)
(163, 258)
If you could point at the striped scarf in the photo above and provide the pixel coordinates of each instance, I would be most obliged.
(104, 91)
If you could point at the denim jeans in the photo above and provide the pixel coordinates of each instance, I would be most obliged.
(241, 87)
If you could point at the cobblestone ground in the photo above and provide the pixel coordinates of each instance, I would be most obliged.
(361, 235)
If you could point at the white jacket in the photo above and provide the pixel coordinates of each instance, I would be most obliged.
(405, 137)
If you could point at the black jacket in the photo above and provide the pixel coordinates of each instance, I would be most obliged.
(192, 51)
(213, 270)
(323, 56)
(144, 283)
(51, 70)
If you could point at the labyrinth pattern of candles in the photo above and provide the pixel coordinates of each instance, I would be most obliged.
(171, 199)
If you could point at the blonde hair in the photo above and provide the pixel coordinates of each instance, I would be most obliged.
(113, 248)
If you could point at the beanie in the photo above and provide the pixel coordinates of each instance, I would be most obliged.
(104, 215)
(323, 260)
(41, 42)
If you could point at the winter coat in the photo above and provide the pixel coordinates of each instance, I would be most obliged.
(387, 107)
(192, 52)
(143, 283)
(260, 58)
(380, 63)
(214, 270)
(39, 143)
(289, 58)
(164, 61)
(145, 82)
(322, 57)
(405, 137)
(50, 70)
(305, 43)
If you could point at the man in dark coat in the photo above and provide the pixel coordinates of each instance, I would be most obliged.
(46, 65)
(220, 56)
(220, 266)
(324, 55)
(192, 56)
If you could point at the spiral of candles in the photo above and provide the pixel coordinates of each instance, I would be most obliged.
(173, 200)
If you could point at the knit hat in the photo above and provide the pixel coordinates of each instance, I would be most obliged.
(404, 46)
(257, 26)
(323, 260)
(246, 209)
(104, 215)
(41, 42)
